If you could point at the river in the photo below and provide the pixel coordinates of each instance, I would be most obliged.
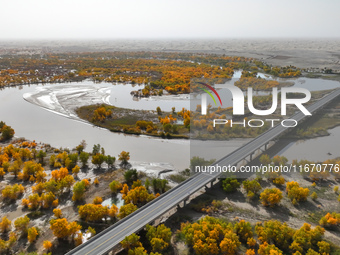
(36, 121)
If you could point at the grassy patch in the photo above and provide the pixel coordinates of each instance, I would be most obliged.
(324, 193)
(313, 75)
(125, 121)
(178, 178)
(35, 214)
(315, 217)
(335, 249)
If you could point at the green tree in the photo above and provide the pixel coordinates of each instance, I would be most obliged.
(230, 185)
(314, 196)
(41, 154)
(147, 184)
(96, 149)
(275, 232)
(127, 209)
(278, 161)
(15, 168)
(75, 170)
(110, 161)
(124, 157)
(324, 247)
(307, 238)
(52, 160)
(167, 127)
(84, 157)
(252, 187)
(131, 175)
(159, 111)
(244, 230)
(159, 237)
(98, 159)
(138, 251)
(131, 242)
(81, 147)
(21, 224)
(198, 161)
(115, 186)
(72, 160)
(159, 185)
(265, 159)
(6, 133)
(78, 191)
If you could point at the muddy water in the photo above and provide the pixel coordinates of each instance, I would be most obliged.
(317, 149)
(117, 200)
(33, 121)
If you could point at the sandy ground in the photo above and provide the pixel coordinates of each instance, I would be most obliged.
(303, 53)
(64, 99)
(238, 207)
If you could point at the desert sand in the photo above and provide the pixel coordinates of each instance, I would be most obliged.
(303, 53)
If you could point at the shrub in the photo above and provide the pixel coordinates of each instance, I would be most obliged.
(271, 197)
(230, 185)
(295, 192)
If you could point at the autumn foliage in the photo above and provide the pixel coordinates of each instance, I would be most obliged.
(63, 229)
(330, 219)
(158, 237)
(32, 234)
(126, 209)
(21, 224)
(101, 114)
(5, 225)
(138, 196)
(283, 238)
(271, 197)
(47, 245)
(296, 193)
(12, 192)
(210, 236)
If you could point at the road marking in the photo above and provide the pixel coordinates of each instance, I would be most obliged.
(316, 105)
(142, 217)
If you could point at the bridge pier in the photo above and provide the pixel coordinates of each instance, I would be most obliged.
(184, 203)
(155, 208)
(211, 184)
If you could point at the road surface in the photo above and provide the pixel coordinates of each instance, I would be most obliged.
(107, 239)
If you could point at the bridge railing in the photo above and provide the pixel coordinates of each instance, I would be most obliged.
(129, 216)
(332, 96)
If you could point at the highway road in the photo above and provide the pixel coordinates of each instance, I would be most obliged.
(110, 237)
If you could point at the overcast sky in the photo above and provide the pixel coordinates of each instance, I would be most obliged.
(115, 19)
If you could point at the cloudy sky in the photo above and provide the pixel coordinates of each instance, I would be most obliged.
(114, 19)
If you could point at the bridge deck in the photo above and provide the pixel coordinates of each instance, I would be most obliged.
(107, 239)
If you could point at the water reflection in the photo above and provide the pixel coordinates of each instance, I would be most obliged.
(317, 149)
(35, 123)
(117, 200)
